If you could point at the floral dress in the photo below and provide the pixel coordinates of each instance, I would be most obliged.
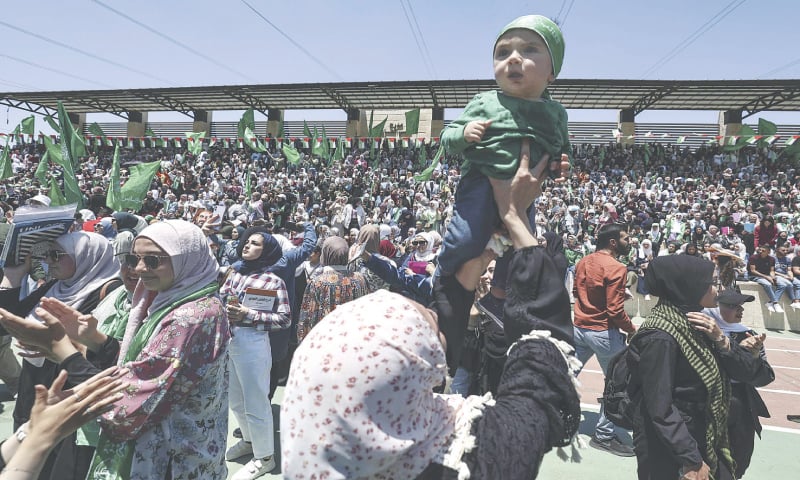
(176, 407)
(331, 287)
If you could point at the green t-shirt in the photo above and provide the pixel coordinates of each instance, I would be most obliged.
(497, 155)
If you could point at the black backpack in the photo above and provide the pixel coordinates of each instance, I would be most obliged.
(621, 396)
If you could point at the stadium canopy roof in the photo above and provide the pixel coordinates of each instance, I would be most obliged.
(750, 96)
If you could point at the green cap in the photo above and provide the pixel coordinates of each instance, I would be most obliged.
(548, 30)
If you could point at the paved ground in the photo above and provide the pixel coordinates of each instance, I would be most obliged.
(775, 454)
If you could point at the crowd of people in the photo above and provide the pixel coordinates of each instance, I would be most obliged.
(419, 316)
(295, 232)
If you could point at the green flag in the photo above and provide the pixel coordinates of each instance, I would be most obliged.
(248, 189)
(326, 146)
(746, 133)
(195, 142)
(56, 154)
(246, 127)
(316, 149)
(340, 148)
(306, 130)
(412, 121)
(41, 170)
(377, 130)
(766, 128)
(95, 130)
(426, 174)
(6, 170)
(291, 154)
(72, 145)
(56, 197)
(134, 190)
(114, 198)
(53, 124)
(27, 125)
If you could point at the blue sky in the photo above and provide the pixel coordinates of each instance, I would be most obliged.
(352, 40)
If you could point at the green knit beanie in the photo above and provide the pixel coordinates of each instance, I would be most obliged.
(548, 30)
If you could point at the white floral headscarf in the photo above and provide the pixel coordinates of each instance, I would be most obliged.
(359, 401)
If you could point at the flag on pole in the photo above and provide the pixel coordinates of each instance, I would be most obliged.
(6, 169)
(425, 175)
(194, 142)
(248, 189)
(377, 130)
(56, 197)
(114, 197)
(72, 146)
(57, 154)
(412, 121)
(134, 190)
(27, 125)
(42, 168)
(291, 154)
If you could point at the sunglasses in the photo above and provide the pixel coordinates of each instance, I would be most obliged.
(151, 262)
(52, 255)
(419, 242)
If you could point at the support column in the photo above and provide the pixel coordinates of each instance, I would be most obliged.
(275, 122)
(137, 123)
(730, 123)
(627, 125)
(355, 127)
(437, 122)
(202, 122)
(78, 121)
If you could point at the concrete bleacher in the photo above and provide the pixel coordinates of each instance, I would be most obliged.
(756, 315)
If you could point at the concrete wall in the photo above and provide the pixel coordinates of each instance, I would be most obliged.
(756, 315)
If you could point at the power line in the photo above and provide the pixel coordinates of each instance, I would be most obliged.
(422, 38)
(50, 69)
(416, 40)
(563, 4)
(564, 21)
(783, 67)
(173, 41)
(83, 52)
(293, 42)
(22, 86)
(685, 43)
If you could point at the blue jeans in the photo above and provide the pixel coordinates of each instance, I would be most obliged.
(774, 292)
(461, 382)
(475, 218)
(605, 344)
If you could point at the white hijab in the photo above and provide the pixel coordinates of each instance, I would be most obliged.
(358, 403)
(94, 267)
(428, 254)
(192, 262)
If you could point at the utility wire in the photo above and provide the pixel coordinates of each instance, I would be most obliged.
(60, 72)
(293, 42)
(174, 41)
(685, 43)
(783, 67)
(422, 38)
(21, 86)
(416, 40)
(564, 21)
(563, 4)
(84, 52)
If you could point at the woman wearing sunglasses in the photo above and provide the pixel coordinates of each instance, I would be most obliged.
(82, 267)
(173, 419)
(257, 304)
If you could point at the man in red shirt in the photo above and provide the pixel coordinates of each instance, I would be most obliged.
(599, 291)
